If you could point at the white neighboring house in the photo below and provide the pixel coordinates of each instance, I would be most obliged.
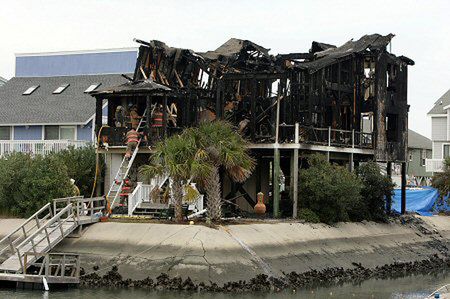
(440, 133)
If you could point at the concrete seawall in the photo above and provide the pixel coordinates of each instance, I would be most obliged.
(235, 252)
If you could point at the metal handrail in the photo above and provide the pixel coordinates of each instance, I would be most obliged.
(34, 217)
(50, 222)
(57, 218)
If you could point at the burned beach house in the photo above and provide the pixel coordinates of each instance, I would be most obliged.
(348, 102)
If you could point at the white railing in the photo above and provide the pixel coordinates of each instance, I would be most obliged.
(38, 147)
(434, 165)
(142, 194)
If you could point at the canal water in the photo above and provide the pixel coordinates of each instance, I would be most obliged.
(413, 287)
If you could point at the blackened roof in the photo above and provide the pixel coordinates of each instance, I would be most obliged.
(132, 87)
(71, 106)
(233, 47)
(332, 54)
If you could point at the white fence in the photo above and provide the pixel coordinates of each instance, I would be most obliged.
(434, 165)
(142, 194)
(38, 147)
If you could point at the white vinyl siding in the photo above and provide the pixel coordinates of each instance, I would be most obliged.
(437, 149)
(438, 128)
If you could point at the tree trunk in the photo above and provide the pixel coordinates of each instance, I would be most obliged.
(213, 191)
(177, 191)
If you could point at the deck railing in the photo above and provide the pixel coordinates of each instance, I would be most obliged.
(326, 136)
(39, 147)
(434, 165)
(83, 207)
(142, 194)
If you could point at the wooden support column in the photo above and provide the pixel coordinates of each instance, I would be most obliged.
(350, 163)
(98, 114)
(389, 197)
(276, 164)
(219, 99)
(253, 98)
(165, 117)
(403, 209)
(294, 173)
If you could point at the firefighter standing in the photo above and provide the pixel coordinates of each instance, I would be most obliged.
(134, 117)
(157, 122)
(132, 139)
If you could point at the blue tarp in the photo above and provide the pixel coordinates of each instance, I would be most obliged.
(422, 201)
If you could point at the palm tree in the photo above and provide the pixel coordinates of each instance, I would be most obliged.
(225, 148)
(179, 157)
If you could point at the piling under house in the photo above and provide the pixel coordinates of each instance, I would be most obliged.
(349, 102)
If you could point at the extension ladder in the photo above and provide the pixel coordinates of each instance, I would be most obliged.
(117, 184)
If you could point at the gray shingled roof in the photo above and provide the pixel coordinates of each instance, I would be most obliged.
(439, 105)
(415, 140)
(44, 107)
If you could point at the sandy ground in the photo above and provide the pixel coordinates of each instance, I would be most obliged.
(234, 252)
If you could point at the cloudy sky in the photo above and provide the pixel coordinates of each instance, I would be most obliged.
(421, 29)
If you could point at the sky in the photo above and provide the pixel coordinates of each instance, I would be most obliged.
(421, 29)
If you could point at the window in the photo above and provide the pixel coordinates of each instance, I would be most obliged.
(61, 89)
(92, 87)
(5, 133)
(410, 156)
(67, 133)
(30, 90)
(60, 133)
(51, 133)
(423, 157)
(446, 151)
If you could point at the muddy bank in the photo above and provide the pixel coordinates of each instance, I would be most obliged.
(264, 283)
(244, 252)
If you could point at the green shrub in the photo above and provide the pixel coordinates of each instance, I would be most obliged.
(26, 183)
(308, 216)
(376, 187)
(441, 181)
(330, 191)
(80, 165)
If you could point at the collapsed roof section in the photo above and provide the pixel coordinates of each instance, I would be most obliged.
(331, 54)
(132, 88)
(174, 67)
(237, 55)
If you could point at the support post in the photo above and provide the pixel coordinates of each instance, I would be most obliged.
(329, 143)
(276, 165)
(165, 117)
(389, 197)
(403, 209)
(295, 173)
(276, 182)
(350, 163)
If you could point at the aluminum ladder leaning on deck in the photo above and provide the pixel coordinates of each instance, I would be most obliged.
(116, 185)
